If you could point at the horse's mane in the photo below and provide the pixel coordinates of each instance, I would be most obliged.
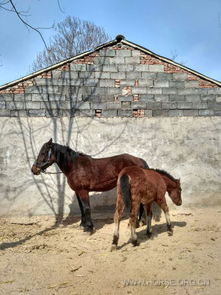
(163, 172)
(68, 151)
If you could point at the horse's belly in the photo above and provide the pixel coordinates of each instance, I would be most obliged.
(103, 185)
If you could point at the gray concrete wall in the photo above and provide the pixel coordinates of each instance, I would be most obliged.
(119, 98)
(187, 147)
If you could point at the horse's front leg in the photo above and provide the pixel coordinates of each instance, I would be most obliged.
(86, 210)
(82, 211)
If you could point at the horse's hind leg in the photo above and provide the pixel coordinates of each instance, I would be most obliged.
(148, 219)
(163, 205)
(117, 217)
(133, 220)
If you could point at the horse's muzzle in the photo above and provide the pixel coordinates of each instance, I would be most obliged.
(179, 203)
(35, 170)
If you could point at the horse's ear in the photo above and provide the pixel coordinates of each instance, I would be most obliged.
(50, 142)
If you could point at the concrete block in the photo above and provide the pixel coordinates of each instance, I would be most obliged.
(102, 75)
(124, 113)
(179, 76)
(132, 60)
(164, 76)
(34, 105)
(193, 98)
(154, 90)
(109, 113)
(125, 98)
(145, 82)
(191, 84)
(169, 105)
(113, 105)
(117, 60)
(206, 112)
(147, 97)
(125, 68)
(118, 76)
(162, 98)
(176, 97)
(127, 82)
(191, 113)
(154, 105)
(135, 52)
(107, 52)
(124, 53)
(36, 113)
(170, 91)
(156, 68)
(106, 83)
(55, 97)
(69, 75)
(149, 76)
(110, 68)
(184, 105)
(2, 105)
(133, 75)
(15, 105)
(161, 83)
(160, 113)
(214, 90)
(214, 105)
(177, 84)
(6, 97)
(148, 113)
(175, 113)
(78, 67)
(4, 113)
(200, 105)
(139, 90)
(138, 105)
(141, 68)
(211, 97)
(218, 98)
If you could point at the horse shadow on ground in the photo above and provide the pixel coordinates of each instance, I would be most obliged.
(157, 229)
(7, 245)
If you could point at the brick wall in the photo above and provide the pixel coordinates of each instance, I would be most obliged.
(114, 81)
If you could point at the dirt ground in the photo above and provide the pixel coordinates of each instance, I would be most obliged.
(38, 258)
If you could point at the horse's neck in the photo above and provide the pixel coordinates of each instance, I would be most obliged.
(169, 182)
(63, 158)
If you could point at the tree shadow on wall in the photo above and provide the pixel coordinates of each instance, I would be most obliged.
(63, 96)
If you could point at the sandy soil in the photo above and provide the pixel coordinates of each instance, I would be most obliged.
(38, 258)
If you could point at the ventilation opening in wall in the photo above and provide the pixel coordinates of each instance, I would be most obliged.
(98, 113)
(138, 113)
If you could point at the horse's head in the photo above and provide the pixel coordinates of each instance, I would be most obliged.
(45, 158)
(175, 193)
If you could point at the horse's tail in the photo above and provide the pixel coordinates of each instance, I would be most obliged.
(124, 182)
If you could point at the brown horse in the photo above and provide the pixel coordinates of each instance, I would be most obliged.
(84, 173)
(137, 186)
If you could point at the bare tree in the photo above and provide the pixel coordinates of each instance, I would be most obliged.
(9, 6)
(72, 37)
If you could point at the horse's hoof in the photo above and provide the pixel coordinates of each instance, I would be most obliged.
(82, 224)
(149, 234)
(89, 229)
(113, 247)
(170, 233)
(135, 243)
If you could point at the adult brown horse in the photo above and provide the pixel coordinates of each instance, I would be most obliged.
(84, 173)
(136, 185)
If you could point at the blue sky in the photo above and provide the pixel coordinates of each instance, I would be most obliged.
(191, 28)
